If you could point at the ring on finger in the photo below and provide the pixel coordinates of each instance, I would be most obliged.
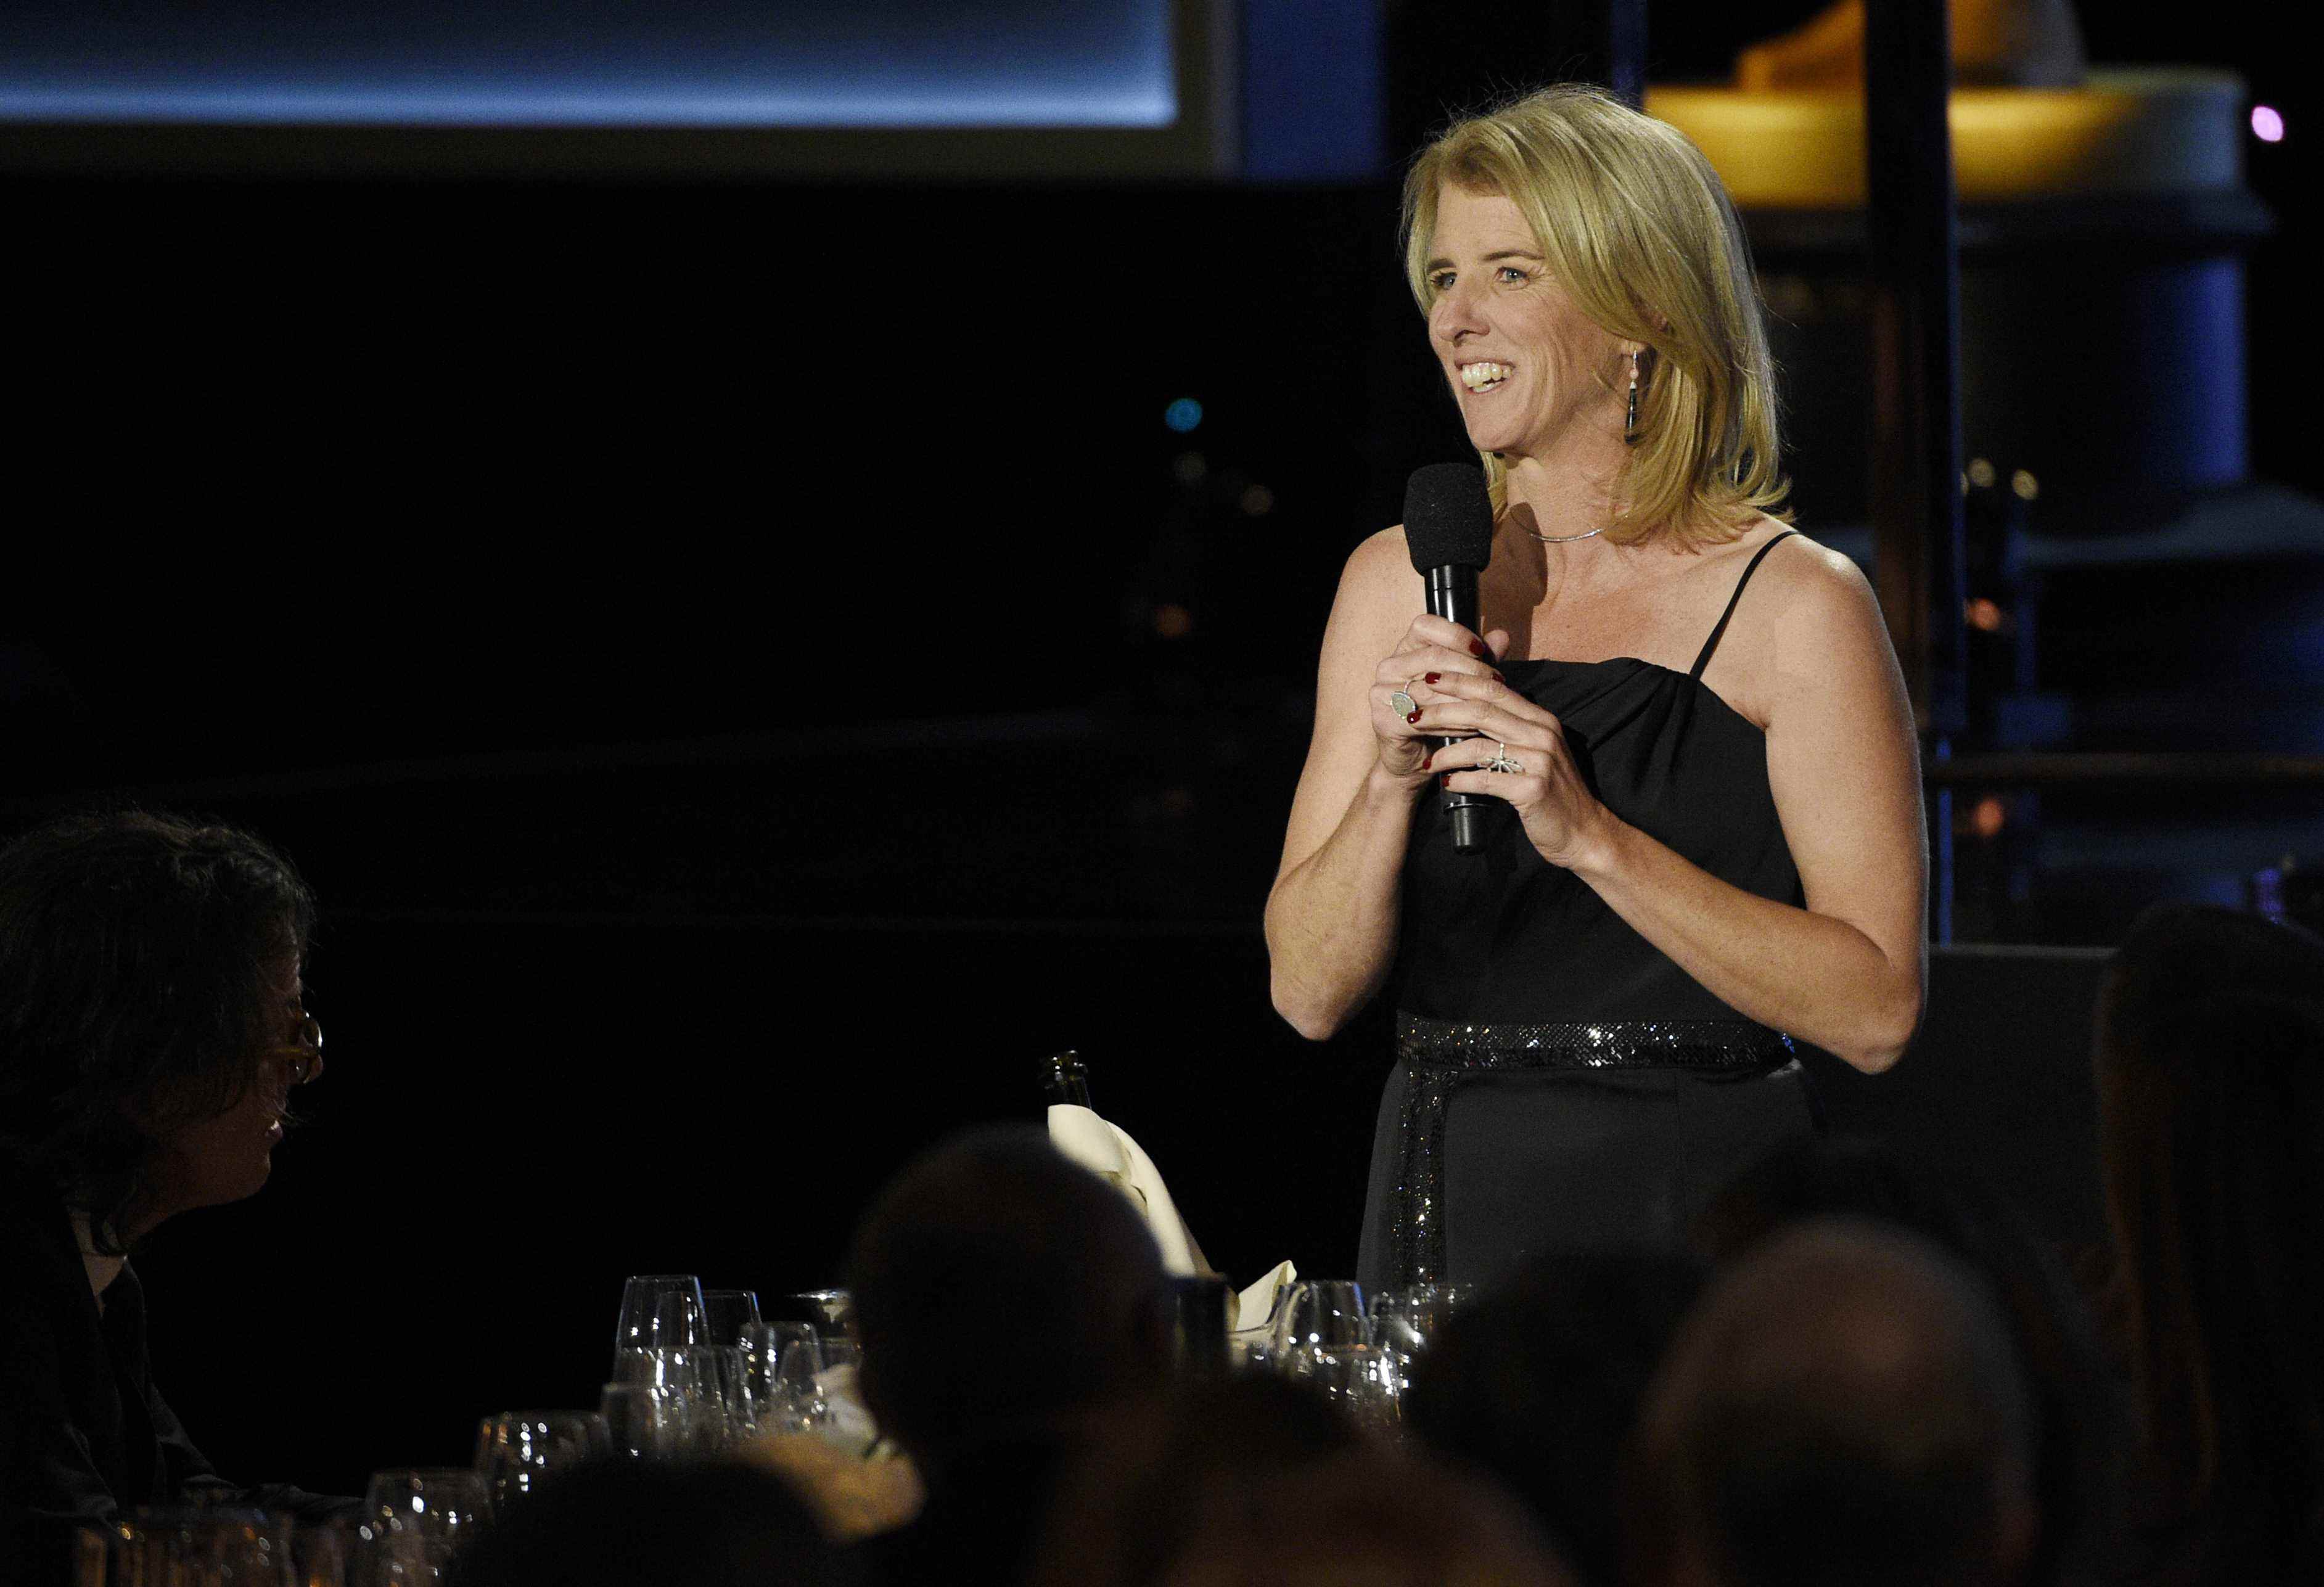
(1401, 702)
(1501, 762)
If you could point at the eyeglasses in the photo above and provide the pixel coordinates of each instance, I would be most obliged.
(301, 1059)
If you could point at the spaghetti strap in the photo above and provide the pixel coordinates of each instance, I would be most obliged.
(1711, 643)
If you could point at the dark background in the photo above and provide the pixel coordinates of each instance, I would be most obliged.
(749, 672)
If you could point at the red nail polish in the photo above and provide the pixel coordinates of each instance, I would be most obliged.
(1432, 677)
(1427, 758)
(1415, 717)
(1499, 679)
(1444, 780)
(1476, 649)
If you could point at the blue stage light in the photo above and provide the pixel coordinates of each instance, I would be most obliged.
(741, 63)
(1183, 415)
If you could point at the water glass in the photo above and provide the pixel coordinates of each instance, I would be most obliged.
(414, 1520)
(1321, 1314)
(518, 1451)
(730, 1313)
(659, 1311)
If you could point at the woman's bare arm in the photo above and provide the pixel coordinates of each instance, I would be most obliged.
(1848, 971)
(1332, 915)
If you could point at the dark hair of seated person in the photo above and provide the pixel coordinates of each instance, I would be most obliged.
(2082, 1421)
(627, 1523)
(147, 967)
(1258, 1480)
(1539, 1382)
(2210, 1057)
(1130, 1508)
(1008, 1301)
(1843, 1407)
(150, 1030)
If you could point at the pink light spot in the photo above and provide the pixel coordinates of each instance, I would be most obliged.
(2267, 124)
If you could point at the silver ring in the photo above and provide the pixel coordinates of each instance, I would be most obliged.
(1501, 762)
(1401, 702)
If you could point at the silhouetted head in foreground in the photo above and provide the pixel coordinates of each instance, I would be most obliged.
(626, 1523)
(1540, 1383)
(2210, 1054)
(1257, 1482)
(2082, 1425)
(1004, 1295)
(1844, 1407)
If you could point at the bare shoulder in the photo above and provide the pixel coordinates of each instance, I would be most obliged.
(1807, 622)
(1823, 640)
(1814, 598)
(1379, 592)
(1378, 560)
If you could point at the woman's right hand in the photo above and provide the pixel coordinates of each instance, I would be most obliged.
(1431, 647)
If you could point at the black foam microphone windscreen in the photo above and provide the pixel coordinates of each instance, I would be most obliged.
(1448, 518)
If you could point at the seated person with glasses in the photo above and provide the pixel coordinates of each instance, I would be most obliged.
(152, 1028)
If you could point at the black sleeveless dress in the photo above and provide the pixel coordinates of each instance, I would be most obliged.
(1561, 1084)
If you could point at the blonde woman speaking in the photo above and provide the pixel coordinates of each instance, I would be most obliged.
(1712, 843)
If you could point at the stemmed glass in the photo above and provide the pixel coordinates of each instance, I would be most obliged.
(1406, 1322)
(663, 1339)
(733, 1316)
(763, 1360)
(518, 1451)
(659, 1311)
(1322, 1314)
(414, 1520)
(794, 1401)
(830, 1311)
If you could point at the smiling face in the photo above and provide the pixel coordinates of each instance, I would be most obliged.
(1532, 374)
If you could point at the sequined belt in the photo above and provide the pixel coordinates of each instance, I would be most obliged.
(1440, 1055)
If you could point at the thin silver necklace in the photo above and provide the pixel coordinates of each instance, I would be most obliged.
(1567, 539)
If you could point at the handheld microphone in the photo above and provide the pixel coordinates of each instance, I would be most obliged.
(1448, 526)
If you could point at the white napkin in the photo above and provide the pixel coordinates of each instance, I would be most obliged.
(1110, 1153)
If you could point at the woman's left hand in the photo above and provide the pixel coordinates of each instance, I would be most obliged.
(1561, 817)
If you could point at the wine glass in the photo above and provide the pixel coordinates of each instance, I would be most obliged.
(518, 1451)
(659, 1311)
(414, 1520)
(1407, 1321)
(763, 1359)
(795, 1400)
(731, 1315)
(1322, 1314)
(831, 1311)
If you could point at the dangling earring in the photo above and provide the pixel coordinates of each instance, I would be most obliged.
(1630, 425)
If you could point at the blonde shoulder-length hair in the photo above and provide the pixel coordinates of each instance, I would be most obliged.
(1635, 227)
